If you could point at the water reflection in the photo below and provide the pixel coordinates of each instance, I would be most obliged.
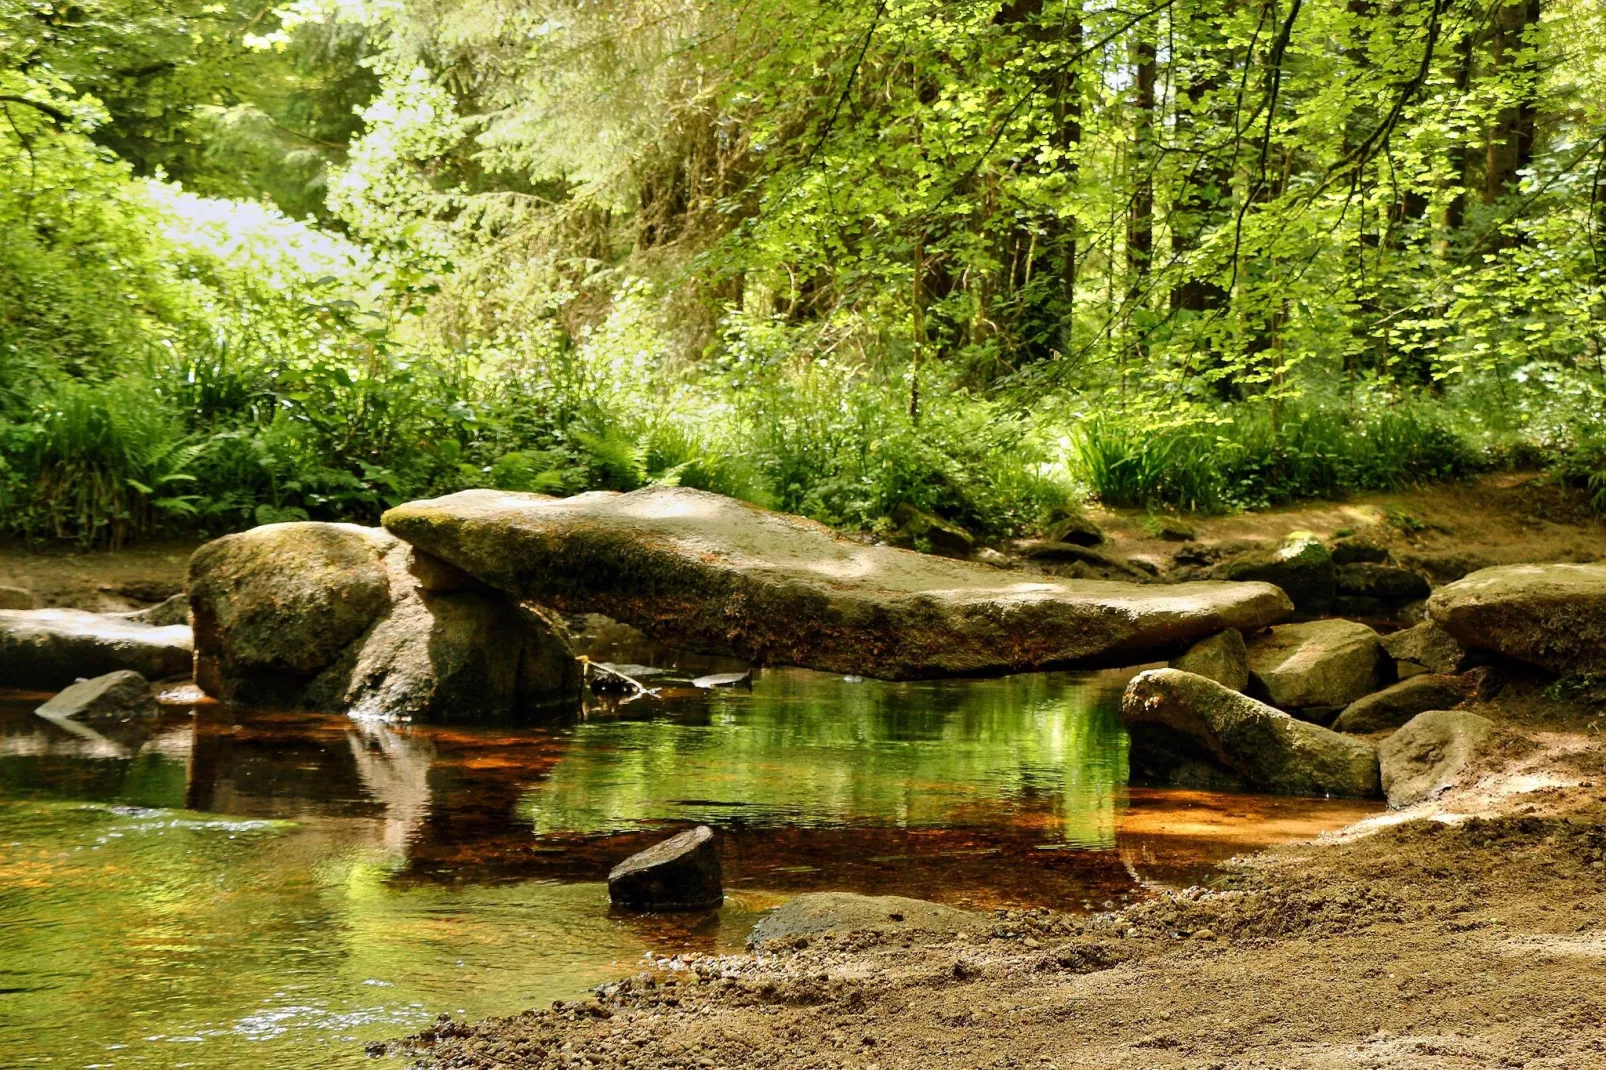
(220, 888)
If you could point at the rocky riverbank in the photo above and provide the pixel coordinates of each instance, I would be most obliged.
(1466, 931)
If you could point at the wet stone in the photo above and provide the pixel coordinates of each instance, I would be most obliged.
(681, 873)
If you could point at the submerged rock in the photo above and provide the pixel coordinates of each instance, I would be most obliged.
(1301, 566)
(114, 696)
(49, 649)
(1552, 616)
(1223, 658)
(1321, 663)
(1398, 703)
(716, 575)
(1178, 717)
(817, 913)
(1429, 754)
(343, 617)
(1430, 646)
(681, 873)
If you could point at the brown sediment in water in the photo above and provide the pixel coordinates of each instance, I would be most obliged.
(1465, 933)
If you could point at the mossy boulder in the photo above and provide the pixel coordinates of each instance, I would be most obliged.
(341, 617)
(1427, 644)
(921, 530)
(709, 573)
(1177, 717)
(1398, 703)
(1223, 658)
(1301, 566)
(1552, 616)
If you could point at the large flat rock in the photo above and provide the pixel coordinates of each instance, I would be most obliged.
(714, 574)
(1553, 616)
(48, 649)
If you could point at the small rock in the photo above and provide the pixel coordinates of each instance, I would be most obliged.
(174, 610)
(1170, 529)
(1357, 550)
(1223, 658)
(1074, 528)
(1429, 754)
(17, 598)
(1395, 705)
(114, 696)
(681, 873)
(1386, 583)
(1204, 934)
(1318, 663)
(1429, 645)
(944, 537)
(988, 556)
(721, 679)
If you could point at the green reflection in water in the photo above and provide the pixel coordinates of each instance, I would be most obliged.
(806, 748)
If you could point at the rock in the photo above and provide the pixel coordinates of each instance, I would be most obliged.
(681, 873)
(1357, 550)
(1063, 553)
(275, 605)
(1398, 703)
(48, 649)
(1074, 528)
(1552, 616)
(1178, 714)
(988, 556)
(1170, 529)
(116, 696)
(340, 617)
(1386, 583)
(1429, 754)
(1301, 566)
(17, 598)
(1429, 645)
(942, 536)
(173, 610)
(1318, 663)
(704, 572)
(1448, 566)
(1223, 658)
(816, 913)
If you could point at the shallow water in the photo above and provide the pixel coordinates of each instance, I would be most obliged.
(226, 889)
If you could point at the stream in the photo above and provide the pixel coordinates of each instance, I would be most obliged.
(227, 888)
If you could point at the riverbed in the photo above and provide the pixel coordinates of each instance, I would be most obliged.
(230, 888)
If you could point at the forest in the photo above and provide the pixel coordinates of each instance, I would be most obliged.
(990, 260)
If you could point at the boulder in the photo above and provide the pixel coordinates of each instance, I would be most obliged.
(49, 649)
(1446, 566)
(1359, 607)
(276, 605)
(1178, 716)
(1552, 616)
(427, 641)
(681, 873)
(1386, 583)
(1223, 658)
(1398, 703)
(818, 913)
(1429, 754)
(116, 696)
(1074, 528)
(1301, 566)
(1429, 645)
(708, 573)
(1103, 566)
(940, 536)
(17, 598)
(1357, 549)
(175, 609)
(1318, 663)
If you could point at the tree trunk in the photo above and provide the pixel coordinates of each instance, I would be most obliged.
(1511, 138)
